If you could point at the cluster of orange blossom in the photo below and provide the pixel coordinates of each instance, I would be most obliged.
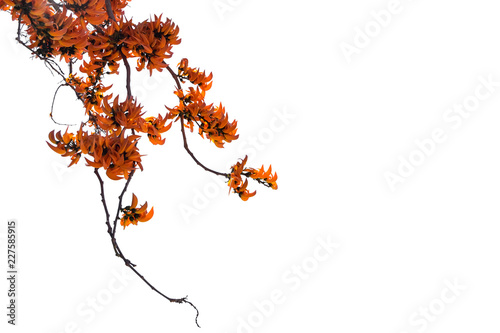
(132, 215)
(96, 35)
(239, 186)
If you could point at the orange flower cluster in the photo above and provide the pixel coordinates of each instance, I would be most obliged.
(94, 11)
(90, 90)
(132, 215)
(262, 176)
(212, 121)
(128, 115)
(4, 6)
(91, 11)
(65, 145)
(51, 33)
(78, 27)
(154, 128)
(117, 154)
(120, 116)
(237, 184)
(194, 75)
(150, 41)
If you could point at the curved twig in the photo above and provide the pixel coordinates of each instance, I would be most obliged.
(186, 147)
(52, 107)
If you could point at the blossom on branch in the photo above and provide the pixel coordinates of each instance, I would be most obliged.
(264, 177)
(132, 215)
(239, 186)
(93, 39)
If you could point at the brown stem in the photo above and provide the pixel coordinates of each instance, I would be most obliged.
(104, 204)
(186, 147)
(109, 10)
(127, 66)
(19, 29)
(176, 79)
(127, 262)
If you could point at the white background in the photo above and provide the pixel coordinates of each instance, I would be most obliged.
(348, 124)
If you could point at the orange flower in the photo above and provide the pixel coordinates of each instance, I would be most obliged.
(264, 177)
(132, 215)
(156, 126)
(90, 89)
(92, 11)
(120, 116)
(216, 125)
(213, 122)
(236, 183)
(65, 145)
(105, 44)
(118, 155)
(4, 5)
(194, 75)
(151, 41)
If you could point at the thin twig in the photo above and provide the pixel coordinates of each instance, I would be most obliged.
(55, 67)
(46, 60)
(115, 222)
(52, 107)
(104, 204)
(19, 29)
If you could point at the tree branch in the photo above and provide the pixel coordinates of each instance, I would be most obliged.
(105, 205)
